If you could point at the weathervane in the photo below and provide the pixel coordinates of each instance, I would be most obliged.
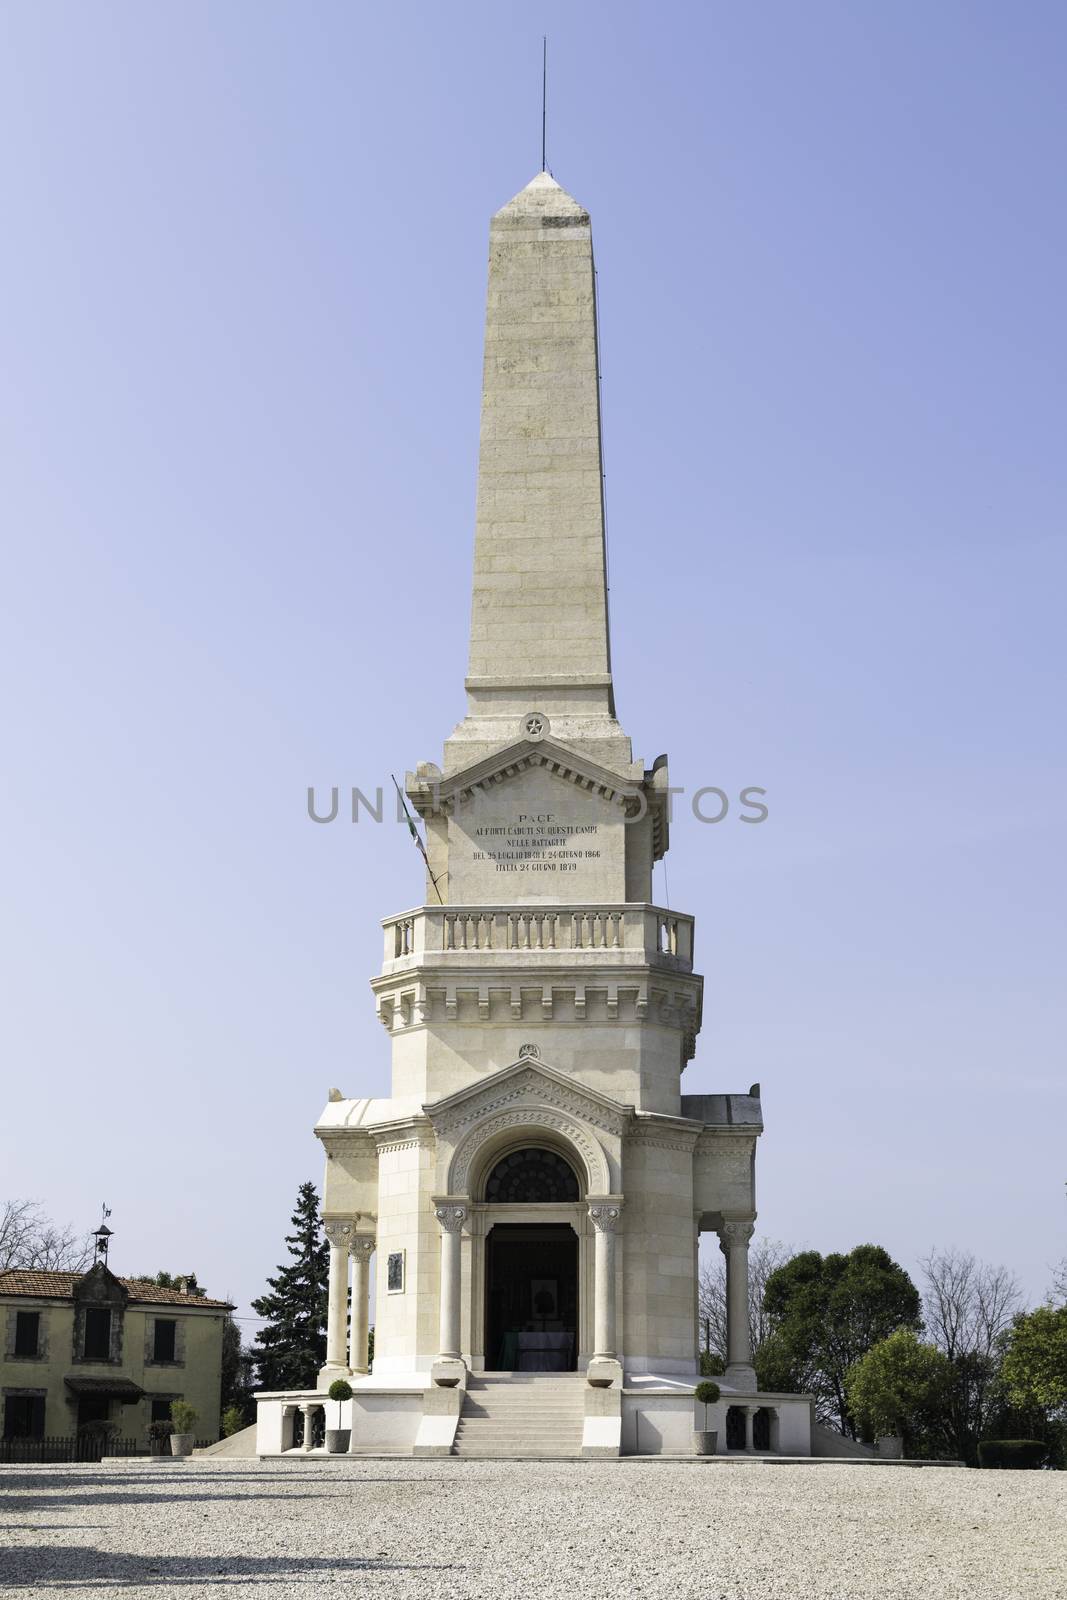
(102, 1235)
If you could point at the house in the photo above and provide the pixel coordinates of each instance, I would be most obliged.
(89, 1347)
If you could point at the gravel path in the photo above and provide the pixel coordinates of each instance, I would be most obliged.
(721, 1531)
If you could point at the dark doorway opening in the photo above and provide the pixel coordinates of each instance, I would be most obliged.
(531, 1298)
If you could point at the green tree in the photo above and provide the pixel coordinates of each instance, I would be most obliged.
(1034, 1369)
(238, 1372)
(292, 1345)
(173, 1280)
(824, 1314)
(900, 1386)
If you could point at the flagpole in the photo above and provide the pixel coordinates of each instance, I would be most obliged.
(415, 835)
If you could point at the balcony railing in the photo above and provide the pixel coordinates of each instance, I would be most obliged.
(463, 932)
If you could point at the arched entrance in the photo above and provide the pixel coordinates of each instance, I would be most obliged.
(531, 1284)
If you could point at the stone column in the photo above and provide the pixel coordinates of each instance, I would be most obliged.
(605, 1363)
(734, 1235)
(361, 1249)
(750, 1422)
(308, 1411)
(451, 1218)
(339, 1232)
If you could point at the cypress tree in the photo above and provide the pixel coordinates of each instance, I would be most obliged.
(292, 1345)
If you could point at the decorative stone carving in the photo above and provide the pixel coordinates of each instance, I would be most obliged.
(339, 1230)
(533, 1084)
(535, 725)
(605, 1219)
(596, 1169)
(451, 1218)
(362, 1247)
(734, 1232)
(530, 1050)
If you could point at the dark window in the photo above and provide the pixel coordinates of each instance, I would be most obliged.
(163, 1344)
(27, 1332)
(160, 1411)
(97, 1334)
(24, 1416)
(93, 1408)
(531, 1177)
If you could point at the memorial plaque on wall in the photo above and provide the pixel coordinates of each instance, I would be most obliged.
(536, 837)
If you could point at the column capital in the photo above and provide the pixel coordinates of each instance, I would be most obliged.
(339, 1230)
(362, 1246)
(451, 1217)
(605, 1214)
(735, 1231)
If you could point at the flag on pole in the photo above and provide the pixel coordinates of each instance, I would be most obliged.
(414, 832)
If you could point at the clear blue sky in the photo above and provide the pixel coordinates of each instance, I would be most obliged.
(241, 300)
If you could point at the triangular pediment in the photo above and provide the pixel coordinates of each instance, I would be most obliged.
(528, 1081)
(522, 756)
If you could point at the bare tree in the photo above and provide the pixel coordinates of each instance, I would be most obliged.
(30, 1240)
(1058, 1292)
(968, 1306)
(764, 1257)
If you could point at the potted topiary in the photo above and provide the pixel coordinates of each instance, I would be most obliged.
(183, 1418)
(337, 1438)
(158, 1434)
(704, 1439)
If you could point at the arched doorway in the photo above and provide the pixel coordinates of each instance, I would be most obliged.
(531, 1298)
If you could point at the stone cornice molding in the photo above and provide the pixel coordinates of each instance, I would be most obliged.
(441, 794)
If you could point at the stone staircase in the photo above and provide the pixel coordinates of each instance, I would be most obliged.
(528, 1415)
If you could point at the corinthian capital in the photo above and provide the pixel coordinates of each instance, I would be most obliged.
(362, 1247)
(734, 1231)
(339, 1230)
(451, 1218)
(605, 1218)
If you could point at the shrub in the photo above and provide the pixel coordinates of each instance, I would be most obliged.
(100, 1429)
(340, 1389)
(706, 1394)
(1016, 1453)
(183, 1416)
(160, 1430)
(232, 1421)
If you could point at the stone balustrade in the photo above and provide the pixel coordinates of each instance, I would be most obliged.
(653, 934)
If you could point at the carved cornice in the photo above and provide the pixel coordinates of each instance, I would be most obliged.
(538, 1087)
(439, 795)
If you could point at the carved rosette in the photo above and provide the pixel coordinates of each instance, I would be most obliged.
(451, 1218)
(339, 1231)
(362, 1247)
(605, 1219)
(734, 1233)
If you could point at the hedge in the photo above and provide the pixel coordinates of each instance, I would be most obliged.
(1011, 1453)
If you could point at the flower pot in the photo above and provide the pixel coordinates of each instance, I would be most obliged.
(181, 1444)
(704, 1442)
(337, 1441)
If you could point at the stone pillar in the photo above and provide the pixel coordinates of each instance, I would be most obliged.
(750, 1422)
(361, 1250)
(339, 1233)
(308, 1410)
(449, 1367)
(604, 1367)
(734, 1235)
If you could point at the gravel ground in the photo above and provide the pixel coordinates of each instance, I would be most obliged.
(720, 1531)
